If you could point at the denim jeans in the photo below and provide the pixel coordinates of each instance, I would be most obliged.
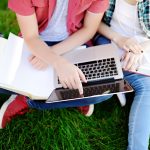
(139, 117)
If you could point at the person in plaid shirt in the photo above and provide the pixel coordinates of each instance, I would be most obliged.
(127, 24)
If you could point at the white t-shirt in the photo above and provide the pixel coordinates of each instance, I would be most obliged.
(56, 29)
(125, 21)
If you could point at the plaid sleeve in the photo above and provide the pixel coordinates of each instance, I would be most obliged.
(144, 16)
(109, 13)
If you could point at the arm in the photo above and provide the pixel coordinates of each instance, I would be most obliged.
(69, 75)
(125, 43)
(83, 35)
(130, 60)
(29, 29)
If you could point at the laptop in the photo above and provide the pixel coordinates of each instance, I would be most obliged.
(102, 69)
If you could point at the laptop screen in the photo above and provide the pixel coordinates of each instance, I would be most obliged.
(90, 90)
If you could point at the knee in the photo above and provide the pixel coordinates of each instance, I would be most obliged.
(143, 87)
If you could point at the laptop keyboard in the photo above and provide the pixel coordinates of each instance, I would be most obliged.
(98, 69)
(90, 90)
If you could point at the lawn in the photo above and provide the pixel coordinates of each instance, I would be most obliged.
(64, 129)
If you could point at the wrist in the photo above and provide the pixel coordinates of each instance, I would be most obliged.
(59, 60)
(116, 38)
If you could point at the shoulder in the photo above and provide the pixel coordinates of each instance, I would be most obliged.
(22, 7)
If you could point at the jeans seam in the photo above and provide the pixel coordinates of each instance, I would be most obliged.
(132, 143)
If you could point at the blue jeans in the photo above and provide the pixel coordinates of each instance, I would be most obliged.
(139, 117)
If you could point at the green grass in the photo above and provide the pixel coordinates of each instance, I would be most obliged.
(67, 129)
(64, 129)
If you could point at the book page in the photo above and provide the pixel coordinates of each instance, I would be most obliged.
(3, 43)
(10, 58)
(37, 83)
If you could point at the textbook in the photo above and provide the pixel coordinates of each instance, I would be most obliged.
(18, 75)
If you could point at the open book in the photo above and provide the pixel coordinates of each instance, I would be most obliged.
(18, 75)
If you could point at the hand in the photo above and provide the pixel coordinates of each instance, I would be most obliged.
(129, 44)
(145, 45)
(69, 75)
(131, 61)
(37, 63)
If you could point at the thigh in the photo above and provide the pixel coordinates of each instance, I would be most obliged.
(140, 83)
(66, 104)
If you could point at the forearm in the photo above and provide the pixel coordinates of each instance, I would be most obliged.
(90, 26)
(41, 50)
(106, 31)
(78, 38)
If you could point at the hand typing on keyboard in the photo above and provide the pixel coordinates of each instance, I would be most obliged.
(70, 76)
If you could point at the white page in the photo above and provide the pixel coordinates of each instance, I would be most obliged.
(10, 59)
(3, 43)
(30, 80)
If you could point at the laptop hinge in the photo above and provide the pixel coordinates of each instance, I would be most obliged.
(100, 81)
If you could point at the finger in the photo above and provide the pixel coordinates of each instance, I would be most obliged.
(31, 57)
(123, 57)
(34, 61)
(140, 48)
(63, 84)
(73, 83)
(68, 83)
(81, 75)
(134, 48)
(38, 65)
(137, 49)
(131, 62)
(125, 47)
(79, 85)
(140, 58)
(139, 61)
(126, 59)
(134, 66)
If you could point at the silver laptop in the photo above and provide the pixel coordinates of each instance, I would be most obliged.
(102, 69)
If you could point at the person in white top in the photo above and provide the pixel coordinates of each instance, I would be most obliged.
(127, 24)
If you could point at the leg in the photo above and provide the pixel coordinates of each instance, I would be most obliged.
(139, 119)
(65, 104)
(100, 40)
(3, 91)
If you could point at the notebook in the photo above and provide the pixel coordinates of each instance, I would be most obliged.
(17, 74)
(102, 69)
